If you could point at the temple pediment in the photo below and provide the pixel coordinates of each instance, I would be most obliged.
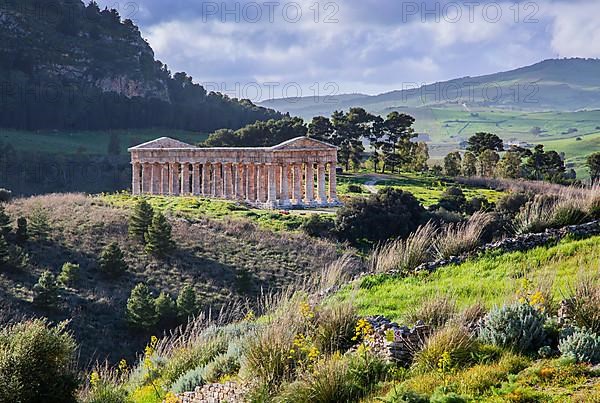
(303, 143)
(163, 143)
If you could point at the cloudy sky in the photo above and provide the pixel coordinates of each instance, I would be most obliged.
(279, 48)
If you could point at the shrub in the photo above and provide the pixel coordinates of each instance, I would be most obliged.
(45, 292)
(185, 359)
(189, 381)
(594, 208)
(5, 259)
(567, 214)
(69, 274)
(5, 222)
(388, 214)
(5, 195)
(335, 327)
(187, 305)
(404, 255)
(316, 225)
(141, 311)
(140, 220)
(221, 366)
(112, 261)
(37, 363)
(582, 346)
(536, 215)
(158, 237)
(519, 327)
(511, 203)
(453, 199)
(166, 309)
(21, 234)
(456, 239)
(449, 347)
(435, 312)
(584, 305)
(354, 188)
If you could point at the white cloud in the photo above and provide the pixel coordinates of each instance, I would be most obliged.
(576, 28)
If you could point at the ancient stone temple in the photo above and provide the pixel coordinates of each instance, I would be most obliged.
(300, 172)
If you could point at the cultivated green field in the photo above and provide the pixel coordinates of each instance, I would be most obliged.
(89, 143)
(492, 279)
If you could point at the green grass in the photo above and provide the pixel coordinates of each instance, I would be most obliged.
(88, 142)
(198, 208)
(491, 279)
(427, 189)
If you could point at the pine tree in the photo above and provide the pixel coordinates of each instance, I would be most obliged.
(141, 311)
(38, 223)
(22, 233)
(166, 310)
(186, 302)
(5, 222)
(112, 261)
(69, 273)
(140, 220)
(45, 292)
(158, 238)
(4, 253)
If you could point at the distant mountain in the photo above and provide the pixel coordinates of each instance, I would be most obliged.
(67, 65)
(551, 85)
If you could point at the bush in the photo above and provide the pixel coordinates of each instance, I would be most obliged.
(453, 199)
(45, 292)
(187, 305)
(582, 346)
(354, 188)
(5, 222)
(221, 366)
(518, 327)
(69, 273)
(189, 381)
(21, 234)
(388, 214)
(112, 261)
(188, 358)
(166, 309)
(448, 348)
(158, 237)
(435, 312)
(5, 195)
(141, 311)
(568, 215)
(37, 363)
(511, 203)
(335, 327)
(316, 225)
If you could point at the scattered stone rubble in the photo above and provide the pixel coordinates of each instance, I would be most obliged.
(397, 343)
(230, 392)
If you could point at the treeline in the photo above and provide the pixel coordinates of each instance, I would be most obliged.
(58, 72)
(392, 138)
(482, 158)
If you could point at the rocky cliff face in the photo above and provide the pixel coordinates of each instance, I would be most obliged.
(71, 43)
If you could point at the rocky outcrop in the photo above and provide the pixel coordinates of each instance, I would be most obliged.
(230, 392)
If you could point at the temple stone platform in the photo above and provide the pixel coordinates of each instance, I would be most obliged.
(298, 173)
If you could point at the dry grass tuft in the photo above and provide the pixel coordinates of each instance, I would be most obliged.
(459, 238)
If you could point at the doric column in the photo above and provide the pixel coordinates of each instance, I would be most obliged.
(136, 172)
(251, 185)
(309, 192)
(146, 177)
(196, 179)
(261, 187)
(271, 185)
(185, 179)
(164, 179)
(297, 187)
(321, 192)
(227, 181)
(333, 199)
(240, 191)
(284, 198)
(218, 179)
(156, 179)
(174, 184)
(206, 182)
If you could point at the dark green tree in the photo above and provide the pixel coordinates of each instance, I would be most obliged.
(5, 222)
(158, 239)
(140, 220)
(593, 163)
(510, 165)
(39, 226)
(187, 306)
(69, 273)
(21, 234)
(141, 310)
(469, 164)
(112, 262)
(547, 165)
(45, 292)
(452, 164)
(166, 309)
(321, 129)
(484, 141)
(5, 258)
(395, 140)
(488, 159)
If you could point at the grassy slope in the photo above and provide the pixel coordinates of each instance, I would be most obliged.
(491, 279)
(222, 259)
(88, 142)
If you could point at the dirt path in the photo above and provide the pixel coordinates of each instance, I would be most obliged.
(373, 179)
